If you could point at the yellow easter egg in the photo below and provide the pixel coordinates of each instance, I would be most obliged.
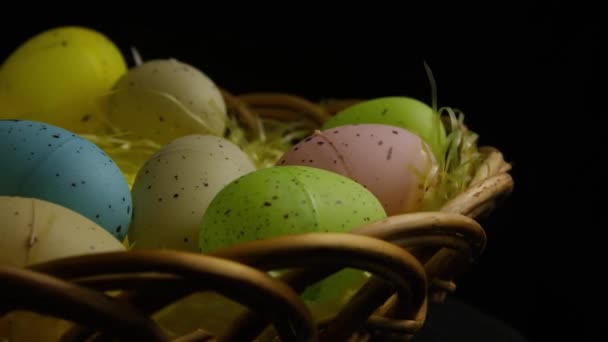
(58, 75)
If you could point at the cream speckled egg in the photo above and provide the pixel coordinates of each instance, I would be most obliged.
(165, 95)
(34, 231)
(173, 189)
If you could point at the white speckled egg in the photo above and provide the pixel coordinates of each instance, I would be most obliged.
(175, 186)
(391, 162)
(167, 94)
(34, 231)
(50, 163)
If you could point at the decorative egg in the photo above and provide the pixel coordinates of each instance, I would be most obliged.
(57, 75)
(49, 163)
(173, 189)
(165, 99)
(285, 200)
(34, 231)
(404, 112)
(391, 162)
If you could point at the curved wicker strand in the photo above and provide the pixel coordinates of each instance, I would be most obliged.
(446, 264)
(492, 164)
(444, 231)
(406, 228)
(402, 329)
(399, 229)
(386, 324)
(352, 316)
(147, 292)
(255, 289)
(248, 118)
(250, 323)
(297, 104)
(479, 194)
(443, 267)
(151, 282)
(27, 289)
(324, 250)
(489, 184)
(172, 283)
(195, 336)
(198, 335)
(359, 311)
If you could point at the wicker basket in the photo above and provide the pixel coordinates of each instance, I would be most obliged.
(414, 258)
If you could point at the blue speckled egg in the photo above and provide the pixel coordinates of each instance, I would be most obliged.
(50, 163)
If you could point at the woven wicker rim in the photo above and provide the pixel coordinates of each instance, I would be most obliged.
(414, 259)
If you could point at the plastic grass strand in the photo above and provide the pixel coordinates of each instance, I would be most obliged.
(461, 159)
(128, 153)
(136, 56)
(429, 75)
(273, 140)
(437, 127)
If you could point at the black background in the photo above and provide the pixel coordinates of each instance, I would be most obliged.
(521, 74)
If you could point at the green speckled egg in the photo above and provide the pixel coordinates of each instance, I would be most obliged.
(284, 200)
(405, 112)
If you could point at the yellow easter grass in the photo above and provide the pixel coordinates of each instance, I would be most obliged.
(271, 138)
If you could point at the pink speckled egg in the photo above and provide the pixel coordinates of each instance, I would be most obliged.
(391, 162)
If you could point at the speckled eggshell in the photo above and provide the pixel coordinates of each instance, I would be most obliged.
(401, 111)
(173, 189)
(391, 162)
(47, 162)
(285, 200)
(34, 231)
(186, 84)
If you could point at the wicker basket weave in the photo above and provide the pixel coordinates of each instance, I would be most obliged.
(414, 258)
